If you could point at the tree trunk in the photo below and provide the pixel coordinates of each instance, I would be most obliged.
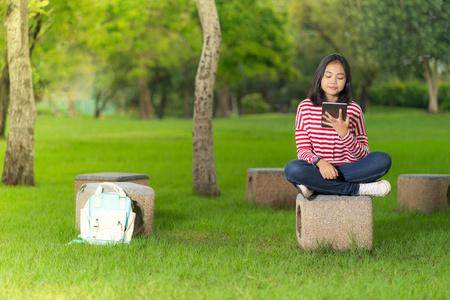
(234, 105)
(364, 97)
(19, 157)
(367, 76)
(71, 105)
(433, 86)
(163, 104)
(101, 100)
(97, 110)
(223, 93)
(4, 80)
(4, 97)
(145, 100)
(203, 168)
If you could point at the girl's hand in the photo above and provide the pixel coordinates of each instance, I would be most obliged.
(339, 125)
(327, 170)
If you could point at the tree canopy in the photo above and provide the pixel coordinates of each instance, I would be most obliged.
(142, 55)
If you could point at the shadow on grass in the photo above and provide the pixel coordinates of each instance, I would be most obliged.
(166, 219)
(404, 228)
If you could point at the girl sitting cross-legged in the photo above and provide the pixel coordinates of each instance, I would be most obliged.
(335, 160)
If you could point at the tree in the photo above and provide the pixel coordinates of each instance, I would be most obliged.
(4, 96)
(35, 13)
(264, 49)
(19, 157)
(360, 46)
(4, 79)
(204, 170)
(140, 41)
(328, 26)
(411, 35)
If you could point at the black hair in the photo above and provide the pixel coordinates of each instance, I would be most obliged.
(316, 94)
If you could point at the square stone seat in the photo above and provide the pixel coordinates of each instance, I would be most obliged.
(143, 198)
(341, 222)
(425, 193)
(110, 177)
(269, 187)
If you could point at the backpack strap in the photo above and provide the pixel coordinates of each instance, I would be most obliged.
(116, 188)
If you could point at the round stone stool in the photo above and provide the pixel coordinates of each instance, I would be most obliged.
(423, 192)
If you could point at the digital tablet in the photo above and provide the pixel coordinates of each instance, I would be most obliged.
(333, 108)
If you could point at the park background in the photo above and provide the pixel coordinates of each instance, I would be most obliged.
(97, 65)
(140, 58)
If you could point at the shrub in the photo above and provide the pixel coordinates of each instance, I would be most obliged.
(293, 105)
(416, 95)
(408, 94)
(254, 104)
(444, 96)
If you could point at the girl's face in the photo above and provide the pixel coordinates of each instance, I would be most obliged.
(333, 81)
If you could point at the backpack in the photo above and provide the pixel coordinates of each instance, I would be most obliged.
(107, 218)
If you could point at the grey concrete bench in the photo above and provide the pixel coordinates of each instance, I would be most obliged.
(269, 187)
(341, 222)
(110, 177)
(423, 192)
(143, 198)
(116, 177)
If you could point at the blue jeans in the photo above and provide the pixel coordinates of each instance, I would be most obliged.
(372, 167)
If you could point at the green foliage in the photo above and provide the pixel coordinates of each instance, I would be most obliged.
(216, 248)
(293, 105)
(254, 104)
(408, 94)
(104, 46)
(36, 7)
(444, 96)
(85, 47)
(406, 32)
(255, 41)
(378, 37)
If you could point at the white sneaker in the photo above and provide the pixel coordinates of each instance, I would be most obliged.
(306, 193)
(377, 189)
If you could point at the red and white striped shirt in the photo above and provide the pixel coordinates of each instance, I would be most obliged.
(313, 140)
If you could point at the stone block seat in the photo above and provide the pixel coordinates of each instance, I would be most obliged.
(110, 177)
(136, 186)
(341, 222)
(143, 198)
(423, 192)
(269, 187)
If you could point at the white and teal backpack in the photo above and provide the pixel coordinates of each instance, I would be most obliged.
(107, 218)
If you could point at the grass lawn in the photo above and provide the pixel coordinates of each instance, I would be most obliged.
(216, 248)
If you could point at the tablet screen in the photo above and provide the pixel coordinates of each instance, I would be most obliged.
(333, 108)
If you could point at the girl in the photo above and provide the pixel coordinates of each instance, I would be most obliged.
(335, 160)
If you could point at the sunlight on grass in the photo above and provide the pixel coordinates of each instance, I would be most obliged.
(219, 247)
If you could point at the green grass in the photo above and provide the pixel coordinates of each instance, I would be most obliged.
(216, 248)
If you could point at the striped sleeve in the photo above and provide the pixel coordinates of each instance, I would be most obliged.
(302, 139)
(356, 139)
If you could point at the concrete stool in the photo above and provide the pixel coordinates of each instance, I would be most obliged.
(110, 177)
(143, 198)
(269, 187)
(423, 192)
(339, 221)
